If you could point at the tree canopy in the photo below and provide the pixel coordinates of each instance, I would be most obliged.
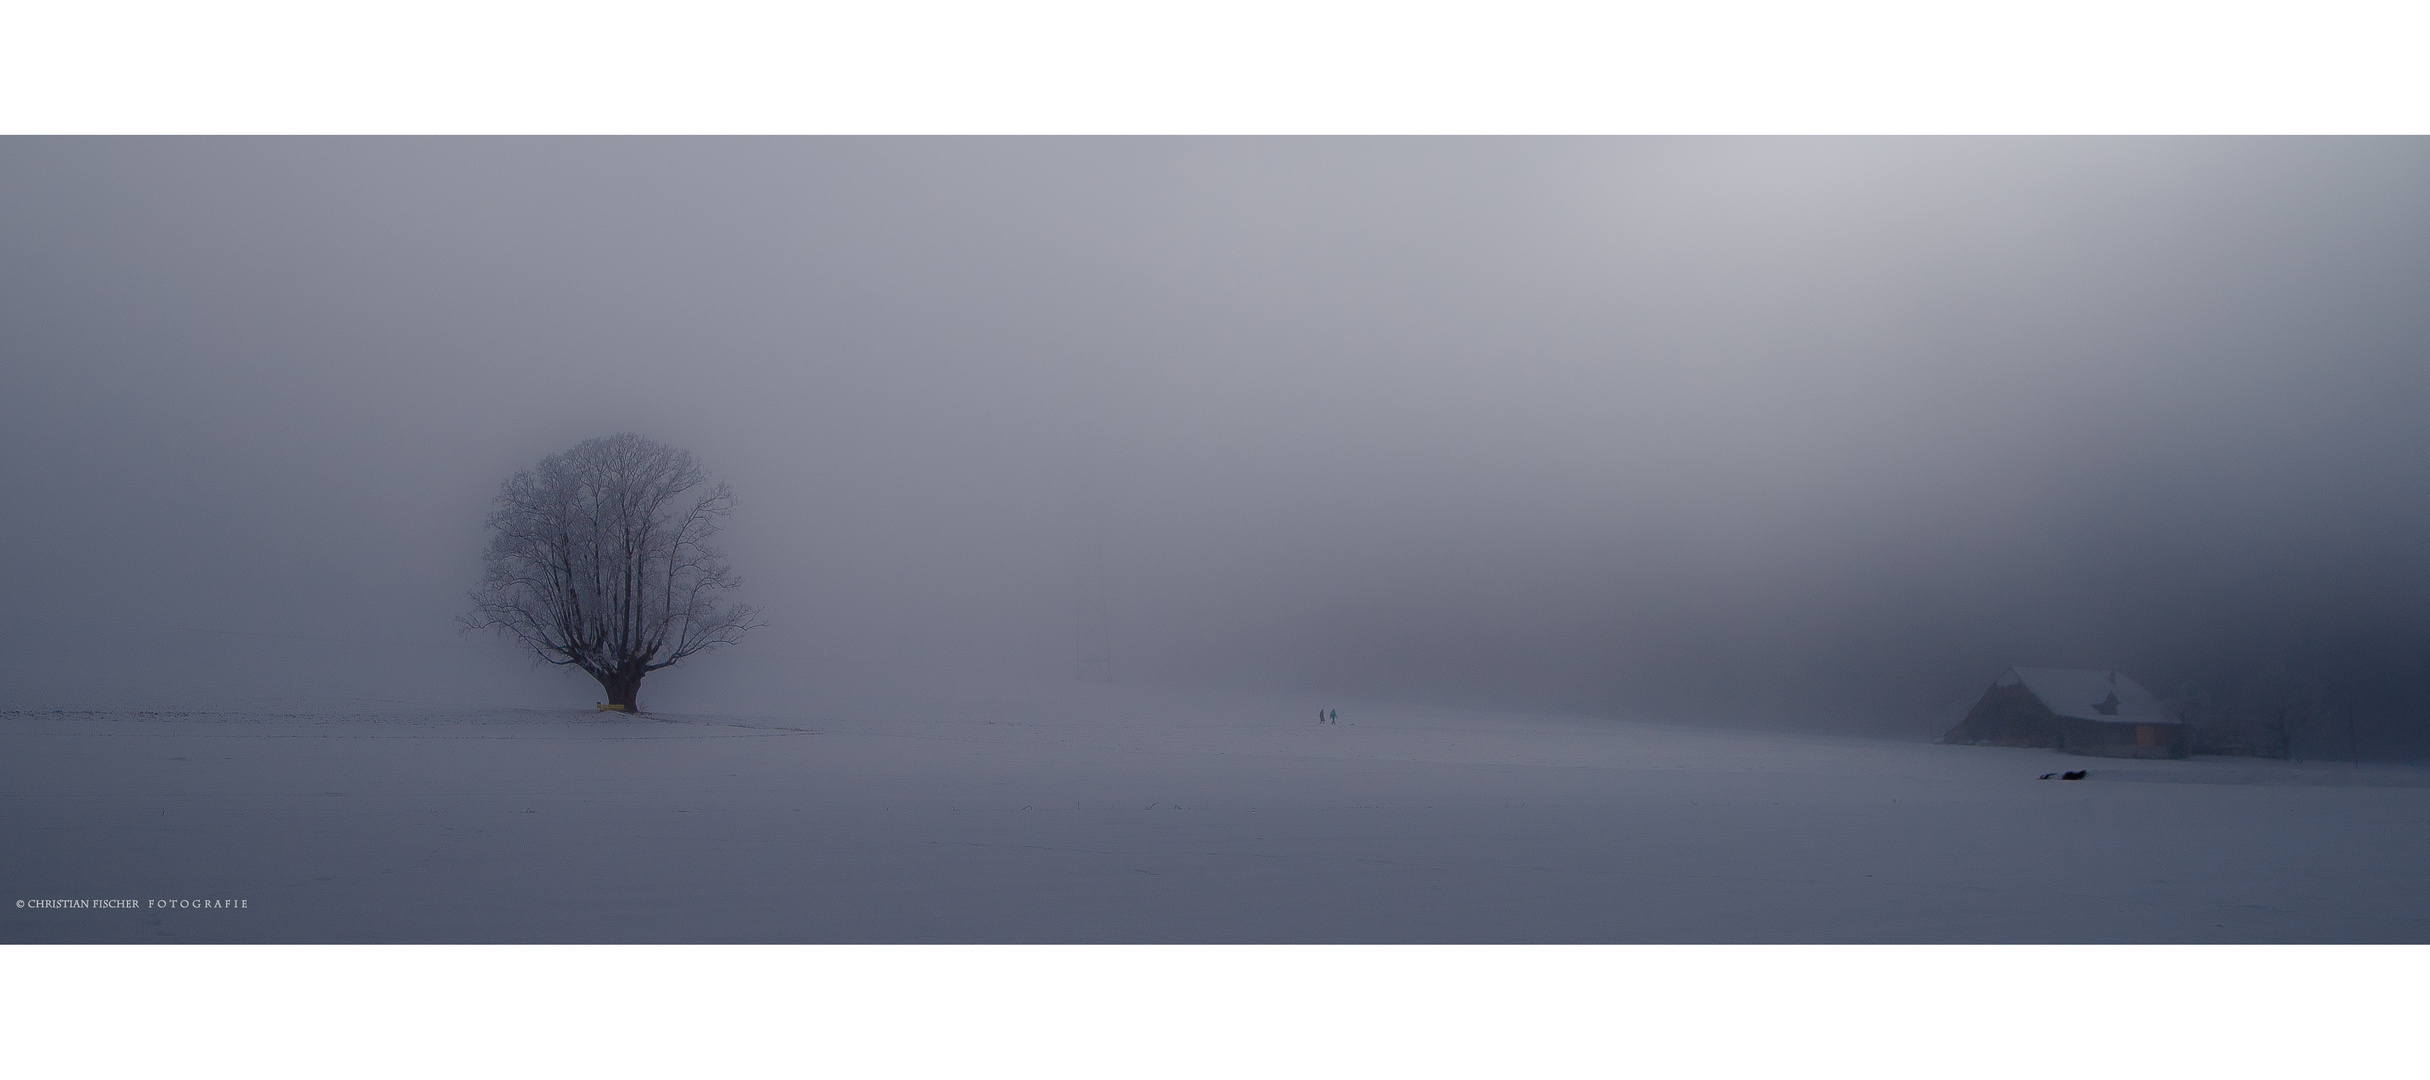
(599, 558)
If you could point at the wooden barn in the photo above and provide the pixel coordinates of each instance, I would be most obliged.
(2078, 711)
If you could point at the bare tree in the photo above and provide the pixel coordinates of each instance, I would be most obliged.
(600, 559)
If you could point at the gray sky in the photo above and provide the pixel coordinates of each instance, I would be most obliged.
(1692, 426)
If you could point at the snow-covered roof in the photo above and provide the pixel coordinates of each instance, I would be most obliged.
(2091, 695)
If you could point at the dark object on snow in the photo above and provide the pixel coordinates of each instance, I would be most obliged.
(2046, 776)
(2076, 775)
(2081, 712)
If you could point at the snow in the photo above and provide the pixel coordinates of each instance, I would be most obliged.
(1029, 813)
(2077, 693)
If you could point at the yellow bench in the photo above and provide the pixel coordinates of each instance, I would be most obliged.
(605, 707)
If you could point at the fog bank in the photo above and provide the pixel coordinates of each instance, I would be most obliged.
(1815, 431)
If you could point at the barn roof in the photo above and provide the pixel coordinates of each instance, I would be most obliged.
(2104, 696)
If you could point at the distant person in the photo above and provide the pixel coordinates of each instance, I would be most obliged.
(1336, 716)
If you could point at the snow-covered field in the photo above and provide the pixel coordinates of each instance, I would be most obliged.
(1106, 814)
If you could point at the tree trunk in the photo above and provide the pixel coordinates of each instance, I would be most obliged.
(622, 690)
